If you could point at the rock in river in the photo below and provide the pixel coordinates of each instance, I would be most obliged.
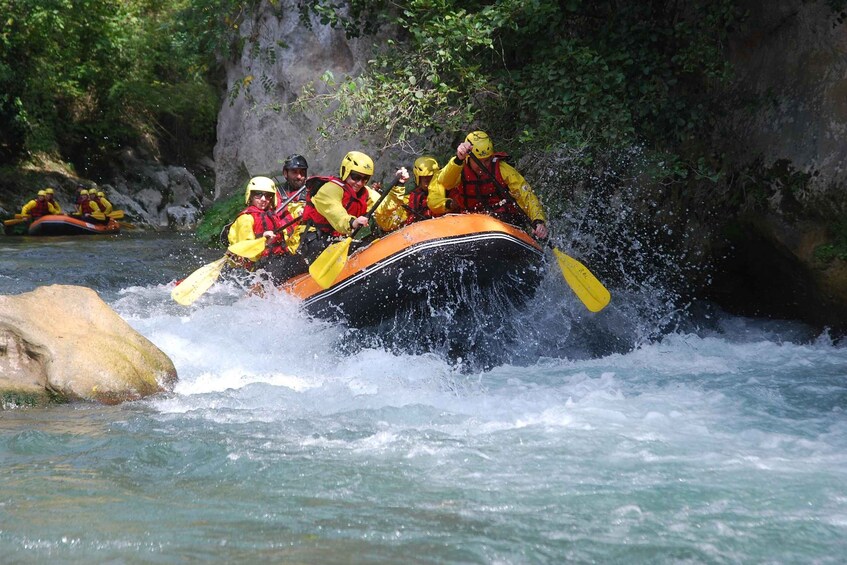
(64, 343)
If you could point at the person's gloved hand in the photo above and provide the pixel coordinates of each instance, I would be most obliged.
(540, 230)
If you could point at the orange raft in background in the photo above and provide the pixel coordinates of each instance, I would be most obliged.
(70, 225)
(425, 265)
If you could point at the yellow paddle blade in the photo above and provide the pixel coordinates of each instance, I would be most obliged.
(116, 214)
(329, 263)
(586, 286)
(248, 248)
(15, 221)
(198, 282)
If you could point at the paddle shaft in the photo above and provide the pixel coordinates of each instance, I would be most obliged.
(291, 198)
(372, 210)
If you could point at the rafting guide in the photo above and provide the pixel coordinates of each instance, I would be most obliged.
(471, 185)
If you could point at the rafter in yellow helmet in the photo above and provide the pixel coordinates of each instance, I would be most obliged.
(425, 166)
(356, 161)
(482, 146)
(260, 184)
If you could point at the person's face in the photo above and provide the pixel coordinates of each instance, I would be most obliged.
(475, 168)
(295, 177)
(357, 180)
(49, 196)
(423, 182)
(261, 200)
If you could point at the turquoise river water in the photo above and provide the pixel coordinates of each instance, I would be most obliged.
(590, 439)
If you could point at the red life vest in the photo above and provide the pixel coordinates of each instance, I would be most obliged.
(268, 220)
(355, 203)
(477, 193)
(41, 209)
(418, 205)
(85, 208)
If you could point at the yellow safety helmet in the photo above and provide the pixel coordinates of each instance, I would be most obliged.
(482, 146)
(83, 192)
(356, 161)
(48, 191)
(42, 193)
(260, 184)
(425, 167)
(101, 195)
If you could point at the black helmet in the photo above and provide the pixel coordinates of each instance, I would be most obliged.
(295, 161)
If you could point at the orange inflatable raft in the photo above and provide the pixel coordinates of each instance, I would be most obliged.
(70, 225)
(424, 263)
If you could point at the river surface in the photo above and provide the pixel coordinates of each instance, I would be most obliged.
(615, 437)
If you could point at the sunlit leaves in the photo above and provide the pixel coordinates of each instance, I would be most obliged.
(91, 76)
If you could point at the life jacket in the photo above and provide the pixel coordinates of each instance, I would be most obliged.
(418, 206)
(86, 209)
(296, 205)
(356, 204)
(41, 209)
(477, 193)
(268, 221)
(286, 191)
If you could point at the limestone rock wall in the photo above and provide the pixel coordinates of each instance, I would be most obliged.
(790, 60)
(788, 134)
(256, 130)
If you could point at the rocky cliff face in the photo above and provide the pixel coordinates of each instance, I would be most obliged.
(787, 144)
(256, 129)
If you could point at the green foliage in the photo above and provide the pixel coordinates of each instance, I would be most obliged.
(222, 213)
(355, 17)
(540, 71)
(80, 79)
(837, 248)
(627, 71)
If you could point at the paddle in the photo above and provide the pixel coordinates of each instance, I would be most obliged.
(194, 285)
(585, 285)
(326, 268)
(198, 282)
(15, 221)
(290, 198)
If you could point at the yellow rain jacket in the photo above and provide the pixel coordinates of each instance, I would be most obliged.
(105, 204)
(242, 230)
(27, 208)
(328, 202)
(451, 175)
